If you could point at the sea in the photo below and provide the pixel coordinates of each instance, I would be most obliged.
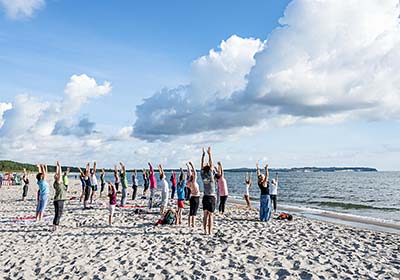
(368, 195)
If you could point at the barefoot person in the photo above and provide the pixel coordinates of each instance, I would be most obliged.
(273, 191)
(124, 184)
(83, 183)
(25, 180)
(145, 182)
(135, 184)
(164, 189)
(180, 191)
(112, 195)
(65, 178)
(194, 193)
(222, 188)
(44, 190)
(246, 190)
(172, 179)
(153, 185)
(265, 201)
(88, 186)
(102, 181)
(60, 195)
(207, 176)
(93, 182)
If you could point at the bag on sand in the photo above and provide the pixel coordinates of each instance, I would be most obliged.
(169, 218)
(285, 216)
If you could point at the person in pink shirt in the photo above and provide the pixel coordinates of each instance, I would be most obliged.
(112, 194)
(222, 188)
(194, 193)
(153, 185)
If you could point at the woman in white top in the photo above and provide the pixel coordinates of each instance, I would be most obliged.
(164, 189)
(273, 191)
(93, 182)
(246, 191)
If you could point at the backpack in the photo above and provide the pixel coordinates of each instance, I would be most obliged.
(169, 218)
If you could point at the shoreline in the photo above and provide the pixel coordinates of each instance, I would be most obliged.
(352, 220)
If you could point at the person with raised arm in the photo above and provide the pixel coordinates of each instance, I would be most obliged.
(194, 193)
(83, 183)
(124, 184)
(172, 179)
(164, 189)
(44, 190)
(145, 183)
(222, 188)
(25, 180)
(180, 191)
(102, 181)
(93, 182)
(265, 200)
(112, 195)
(116, 177)
(65, 178)
(135, 184)
(207, 176)
(273, 191)
(153, 185)
(88, 187)
(60, 195)
(246, 190)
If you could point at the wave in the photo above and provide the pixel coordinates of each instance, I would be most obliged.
(346, 205)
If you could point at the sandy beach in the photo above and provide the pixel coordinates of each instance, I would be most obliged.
(85, 247)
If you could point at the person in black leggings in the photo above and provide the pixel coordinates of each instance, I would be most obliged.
(60, 195)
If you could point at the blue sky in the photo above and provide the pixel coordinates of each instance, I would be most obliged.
(296, 84)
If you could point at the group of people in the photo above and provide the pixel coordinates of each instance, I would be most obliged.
(185, 186)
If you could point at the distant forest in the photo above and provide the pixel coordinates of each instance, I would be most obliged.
(12, 166)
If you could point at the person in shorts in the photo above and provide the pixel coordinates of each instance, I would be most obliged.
(207, 176)
(112, 194)
(194, 193)
(180, 191)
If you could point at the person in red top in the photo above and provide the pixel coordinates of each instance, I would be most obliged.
(153, 185)
(112, 194)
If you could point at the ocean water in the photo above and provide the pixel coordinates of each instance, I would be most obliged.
(366, 194)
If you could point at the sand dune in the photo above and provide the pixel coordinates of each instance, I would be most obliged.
(87, 248)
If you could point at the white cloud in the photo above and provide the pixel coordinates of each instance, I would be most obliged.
(4, 107)
(329, 61)
(16, 9)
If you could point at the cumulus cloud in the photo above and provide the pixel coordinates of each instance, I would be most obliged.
(16, 9)
(32, 116)
(328, 61)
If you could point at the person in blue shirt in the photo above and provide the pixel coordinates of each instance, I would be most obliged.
(44, 189)
(180, 191)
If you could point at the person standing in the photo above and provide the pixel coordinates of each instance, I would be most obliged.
(44, 189)
(273, 191)
(93, 182)
(102, 181)
(135, 184)
(60, 195)
(124, 184)
(164, 189)
(153, 185)
(87, 185)
(25, 179)
(194, 193)
(112, 195)
(172, 179)
(207, 176)
(265, 200)
(145, 183)
(222, 188)
(180, 191)
(116, 177)
(246, 190)
(65, 178)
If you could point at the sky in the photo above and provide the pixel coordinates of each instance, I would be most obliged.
(289, 83)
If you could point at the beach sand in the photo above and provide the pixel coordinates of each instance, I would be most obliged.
(85, 247)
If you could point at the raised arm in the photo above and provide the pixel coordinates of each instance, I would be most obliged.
(87, 168)
(58, 171)
(44, 168)
(193, 171)
(220, 169)
(94, 166)
(276, 177)
(258, 170)
(80, 170)
(123, 167)
(189, 173)
(210, 160)
(161, 170)
(266, 173)
(68, 171)
(151, 169)
(202, 159)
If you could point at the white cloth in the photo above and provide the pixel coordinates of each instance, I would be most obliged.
(273, 188)
(246, 191)
(93, 179)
